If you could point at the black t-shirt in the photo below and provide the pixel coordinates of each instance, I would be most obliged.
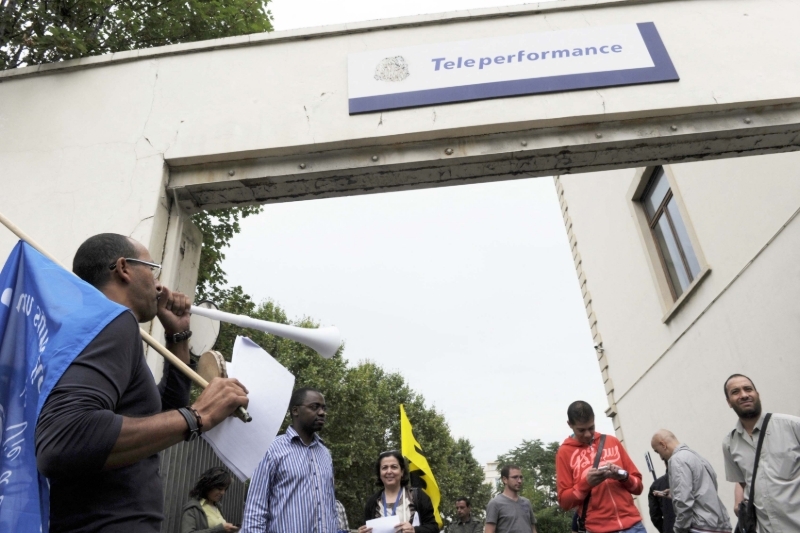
(80, 423)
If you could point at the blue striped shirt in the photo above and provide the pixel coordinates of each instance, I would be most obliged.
(292, 489)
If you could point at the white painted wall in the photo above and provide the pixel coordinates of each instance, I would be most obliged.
(86, 146)
(671, 375)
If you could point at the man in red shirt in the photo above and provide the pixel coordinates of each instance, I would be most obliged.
(608, 487)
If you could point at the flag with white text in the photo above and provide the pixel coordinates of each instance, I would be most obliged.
(47, 317)
(418, 467)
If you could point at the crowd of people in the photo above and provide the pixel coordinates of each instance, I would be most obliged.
(101, 428)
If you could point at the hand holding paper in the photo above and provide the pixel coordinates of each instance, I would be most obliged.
(384, 524)
(242, 446)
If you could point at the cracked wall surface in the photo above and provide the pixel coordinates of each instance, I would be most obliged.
(75, 157)
(112, 143)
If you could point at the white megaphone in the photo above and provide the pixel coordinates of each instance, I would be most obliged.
(325, 341)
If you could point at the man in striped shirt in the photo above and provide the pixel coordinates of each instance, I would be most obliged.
(292, 488)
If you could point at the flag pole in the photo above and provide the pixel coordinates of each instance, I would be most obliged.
(240, 413)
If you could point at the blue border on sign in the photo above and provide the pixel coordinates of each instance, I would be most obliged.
(663, 70)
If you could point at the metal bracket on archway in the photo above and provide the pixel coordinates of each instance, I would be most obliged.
(604, 145)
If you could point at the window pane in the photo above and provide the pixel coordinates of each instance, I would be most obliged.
(659, 186)
(683, 237)
(669, 250)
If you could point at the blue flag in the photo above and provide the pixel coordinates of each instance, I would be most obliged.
(47, 317)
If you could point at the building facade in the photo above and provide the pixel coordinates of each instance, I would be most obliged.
(491, 475)
(133, 142)
(690, 273)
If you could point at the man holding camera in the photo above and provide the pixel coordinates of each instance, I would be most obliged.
(598, 485)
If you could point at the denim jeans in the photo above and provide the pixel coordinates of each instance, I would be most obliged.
(637, 528)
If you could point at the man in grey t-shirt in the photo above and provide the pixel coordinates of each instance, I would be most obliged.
(509, 512)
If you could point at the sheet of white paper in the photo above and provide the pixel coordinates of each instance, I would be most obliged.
(242, 446)
(384, 524)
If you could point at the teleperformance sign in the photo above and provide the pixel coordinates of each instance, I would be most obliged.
(534, 63)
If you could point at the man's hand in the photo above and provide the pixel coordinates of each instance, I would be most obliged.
(404, 527)
(615, 472)
(173, 311)
(230, 528)
(220, 399)
(595, 476)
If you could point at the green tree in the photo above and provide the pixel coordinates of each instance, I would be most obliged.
(218, 227)
(35, 31)
(465, 478)
(363, 416)
(538, 464)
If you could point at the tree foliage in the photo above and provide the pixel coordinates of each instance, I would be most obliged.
(363, 416)
(363, 400)
(37, 31)
(218, 227)
(538, 464)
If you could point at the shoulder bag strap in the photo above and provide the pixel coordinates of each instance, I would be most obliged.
(761, 435)
(596, 464)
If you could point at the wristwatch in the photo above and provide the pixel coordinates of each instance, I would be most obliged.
(178, 337)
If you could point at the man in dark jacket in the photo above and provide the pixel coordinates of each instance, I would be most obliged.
(661, 512)
(465, 522)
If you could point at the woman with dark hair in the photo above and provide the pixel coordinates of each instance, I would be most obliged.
(396, 498)
(201, 514)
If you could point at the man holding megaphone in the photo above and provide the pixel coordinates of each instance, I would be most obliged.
(103, 424)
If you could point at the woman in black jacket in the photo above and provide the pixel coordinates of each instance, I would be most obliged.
(396, 498)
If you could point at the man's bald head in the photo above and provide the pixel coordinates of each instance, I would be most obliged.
(664, 435)
(664, 442)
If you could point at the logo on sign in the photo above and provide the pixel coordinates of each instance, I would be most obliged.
(392, 69)
(514, 65)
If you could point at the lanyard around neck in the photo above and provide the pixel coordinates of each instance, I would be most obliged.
(386, 508)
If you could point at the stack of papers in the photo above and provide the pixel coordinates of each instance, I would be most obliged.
(242, 446)
(385, 524)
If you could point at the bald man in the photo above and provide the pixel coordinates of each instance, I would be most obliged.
(692, 486)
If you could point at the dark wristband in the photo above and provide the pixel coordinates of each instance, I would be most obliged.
(192, 419)
(178, 337)
(198, 419)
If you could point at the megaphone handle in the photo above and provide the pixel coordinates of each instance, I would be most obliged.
(240, 413)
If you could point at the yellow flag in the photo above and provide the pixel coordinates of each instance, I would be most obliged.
(418, 464)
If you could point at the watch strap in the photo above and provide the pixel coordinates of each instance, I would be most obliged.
(178, 337)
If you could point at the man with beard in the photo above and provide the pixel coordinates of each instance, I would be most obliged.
(608, 487)
(292, 488)
(508, 512)
(777, 483)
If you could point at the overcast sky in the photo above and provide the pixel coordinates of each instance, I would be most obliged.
(469, 291)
